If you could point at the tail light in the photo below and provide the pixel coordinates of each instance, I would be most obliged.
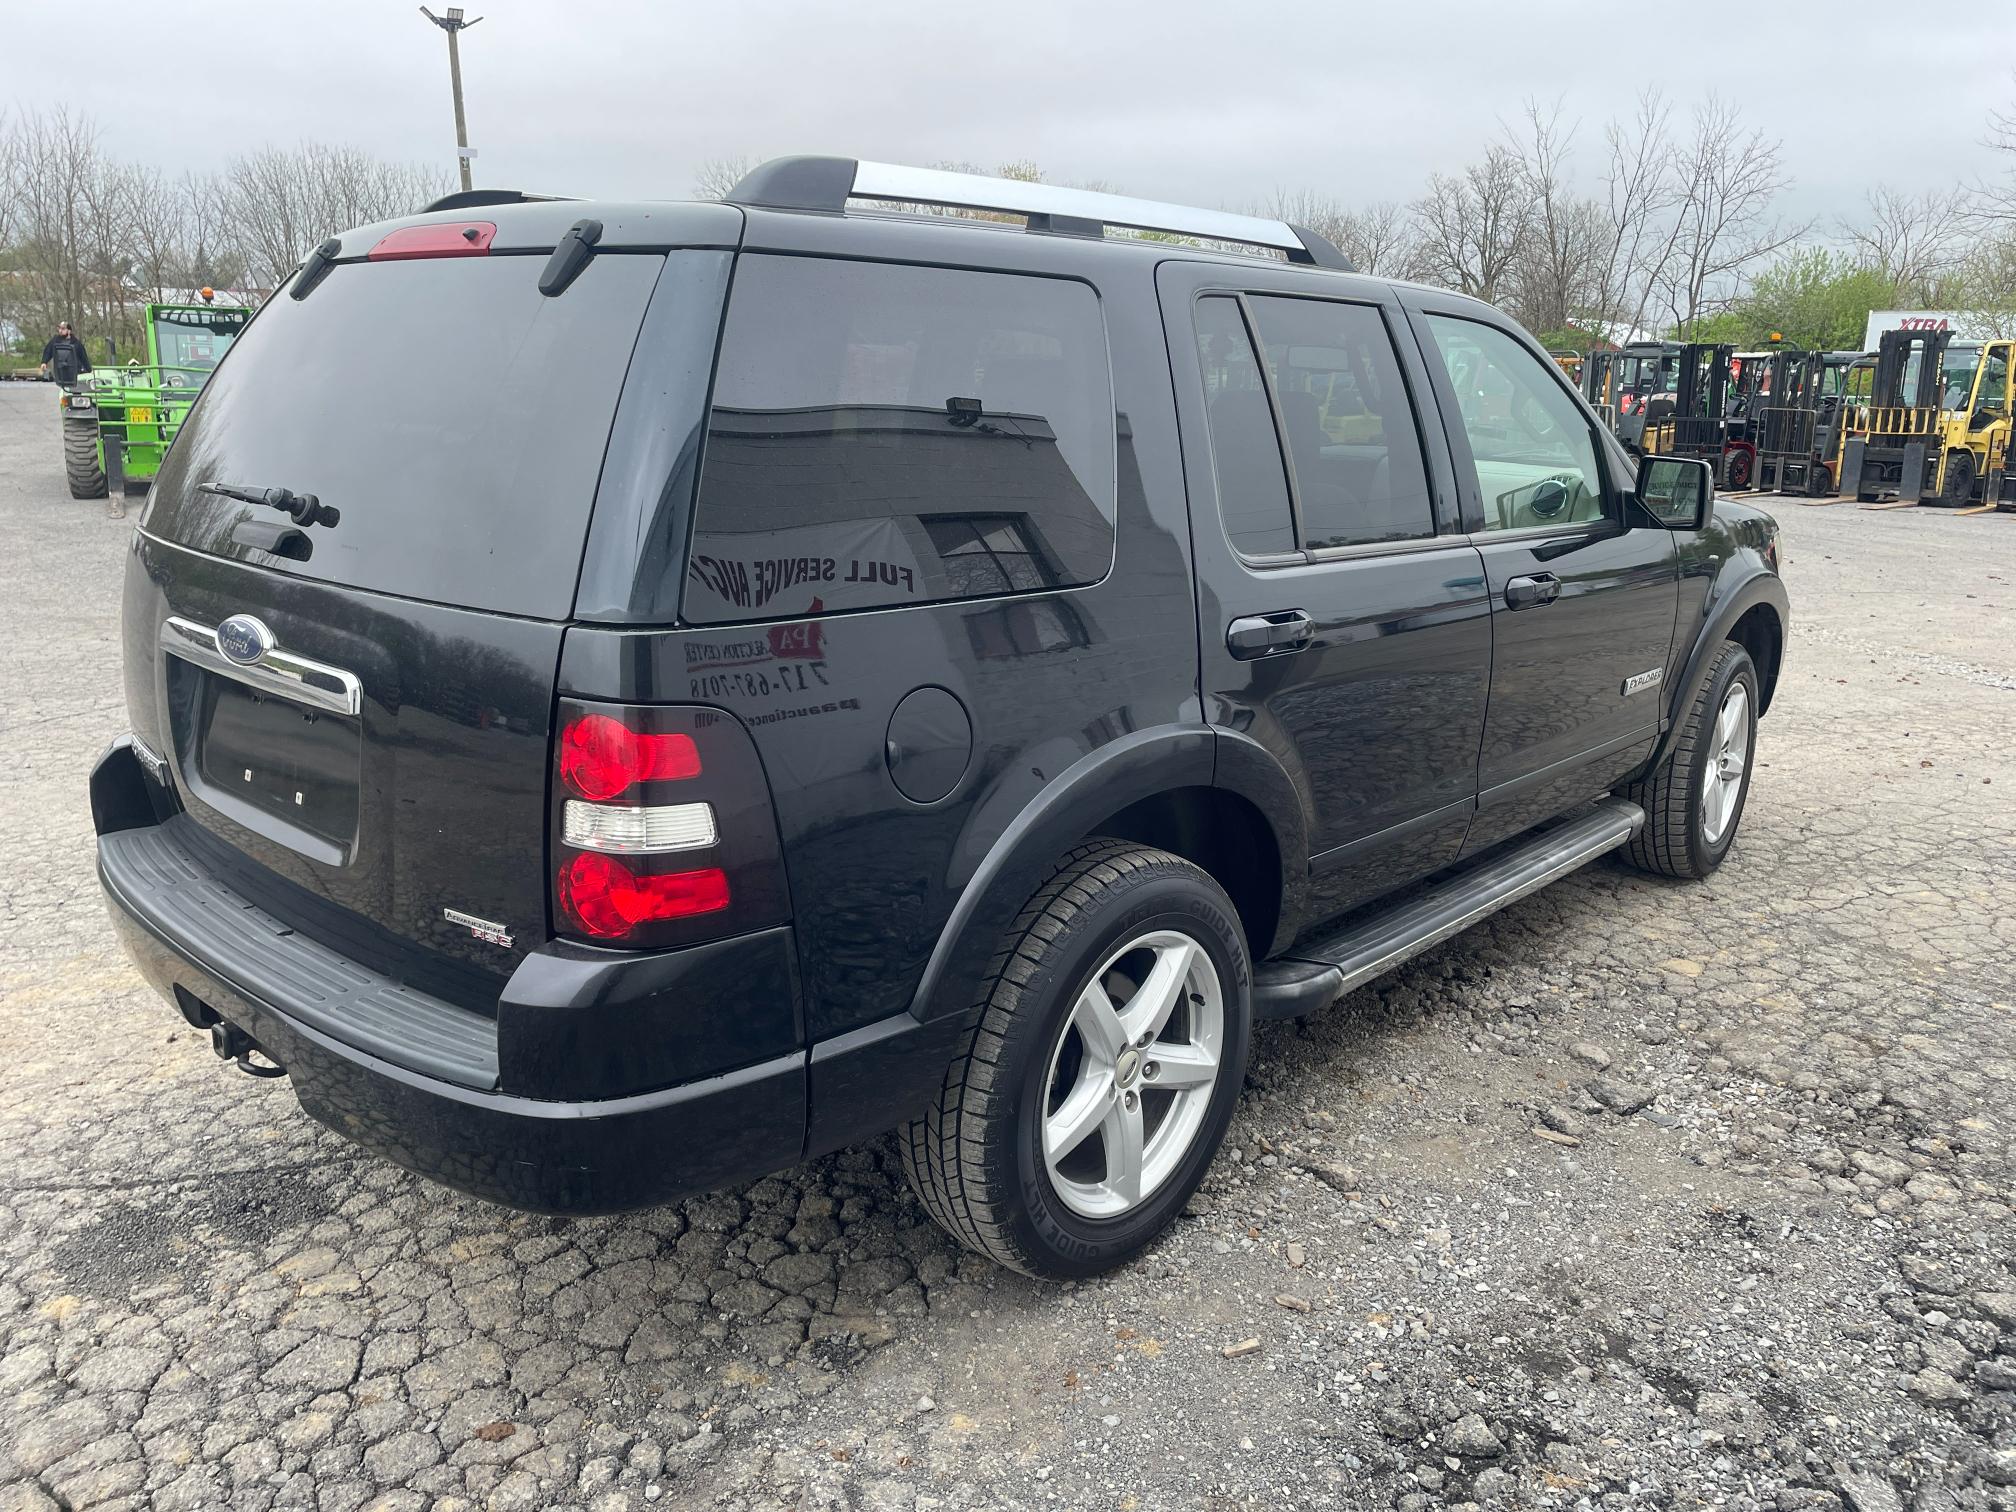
(662, 832)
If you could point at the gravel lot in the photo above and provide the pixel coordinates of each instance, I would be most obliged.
(1640, 1195)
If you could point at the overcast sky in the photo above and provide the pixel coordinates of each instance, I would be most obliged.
(1212, 104)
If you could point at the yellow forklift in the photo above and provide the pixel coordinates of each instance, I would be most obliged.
(1896, 447)
(1815, 400)
(1975, 425)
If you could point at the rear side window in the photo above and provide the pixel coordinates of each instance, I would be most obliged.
(1313, 438)
(453, 414)
(1245, 452)
(884, 434)
(1359, 477)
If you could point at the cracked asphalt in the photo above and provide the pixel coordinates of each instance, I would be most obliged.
(1641, 1195)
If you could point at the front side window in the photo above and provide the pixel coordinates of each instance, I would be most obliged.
(1534, 452)
(883, 434)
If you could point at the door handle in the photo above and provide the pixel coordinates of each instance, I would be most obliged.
(1529, 592)
(1264, 634)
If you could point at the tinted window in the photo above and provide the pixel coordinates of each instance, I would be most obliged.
(1245, 453)
(885, 435)
(452, 413)
(1534, 451)
(1358, 471)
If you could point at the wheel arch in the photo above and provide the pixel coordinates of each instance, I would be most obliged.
(1219, 802)
(1754, 613)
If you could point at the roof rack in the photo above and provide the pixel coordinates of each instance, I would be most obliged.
(827, 183)
(476, 199)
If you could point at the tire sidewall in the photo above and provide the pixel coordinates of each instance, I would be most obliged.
(1735, 667)
(1064, 1242)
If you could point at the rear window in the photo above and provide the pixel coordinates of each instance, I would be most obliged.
(884, 434)
(454, 415)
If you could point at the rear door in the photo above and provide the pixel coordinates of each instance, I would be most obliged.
(357, 714)
(1343, 615)
(1584, 585)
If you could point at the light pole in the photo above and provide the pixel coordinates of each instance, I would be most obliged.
(453, 24)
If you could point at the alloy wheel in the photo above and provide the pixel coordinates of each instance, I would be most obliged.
(1132, 1074)
(1728, 759)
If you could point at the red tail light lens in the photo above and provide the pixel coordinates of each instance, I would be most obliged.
(601, 758)
(661, 832)
(447, 239)
(609, 901)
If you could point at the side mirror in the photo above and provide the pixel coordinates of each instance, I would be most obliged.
(1677, 489)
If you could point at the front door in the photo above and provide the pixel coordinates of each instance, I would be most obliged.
(1343, 613)
(1584, 584)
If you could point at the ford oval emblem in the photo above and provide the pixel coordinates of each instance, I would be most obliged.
(244, 640)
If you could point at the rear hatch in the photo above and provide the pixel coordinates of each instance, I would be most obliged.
(378, 779)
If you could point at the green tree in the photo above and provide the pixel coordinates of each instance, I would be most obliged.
(1812, 298)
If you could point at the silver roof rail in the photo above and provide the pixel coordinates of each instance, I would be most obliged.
(827, 183)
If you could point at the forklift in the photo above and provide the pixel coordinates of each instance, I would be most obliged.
(1817, 397)
(1641, 374)
(1896, 447)
(1756, 380)
(1975, 426)
(1691, 418)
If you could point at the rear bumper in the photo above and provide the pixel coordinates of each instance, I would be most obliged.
(408, 1077)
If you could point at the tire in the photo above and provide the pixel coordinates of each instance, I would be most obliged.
(1957, 490)
(80, 459)
(1679, 838)
(1821, 485)
(1737, 466)
(977, 1159)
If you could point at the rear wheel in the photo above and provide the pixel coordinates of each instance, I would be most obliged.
(1737, 466)
(1821, 481)
(1087, 1102)
(1694, 800)
(80, 459)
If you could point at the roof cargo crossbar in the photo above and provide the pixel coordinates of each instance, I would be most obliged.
(824, 183)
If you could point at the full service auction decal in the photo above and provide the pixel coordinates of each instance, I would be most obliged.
(850, 564)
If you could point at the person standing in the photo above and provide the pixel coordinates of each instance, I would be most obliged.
(65, 355)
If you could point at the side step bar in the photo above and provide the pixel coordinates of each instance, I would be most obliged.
(1313, 976)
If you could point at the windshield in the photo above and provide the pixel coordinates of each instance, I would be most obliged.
(195, 338)
(1956, 376)
(453, 414)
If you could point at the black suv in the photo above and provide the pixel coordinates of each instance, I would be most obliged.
(629, 697)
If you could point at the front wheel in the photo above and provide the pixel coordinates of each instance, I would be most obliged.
(81, 467)
(1088, 1101)
(1694, 800)
(1959, 482)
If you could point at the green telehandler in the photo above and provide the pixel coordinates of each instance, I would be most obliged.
(118, 421)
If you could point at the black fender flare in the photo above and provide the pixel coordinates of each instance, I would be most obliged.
(1103, 781)
(1249, 769)
(1737, 590)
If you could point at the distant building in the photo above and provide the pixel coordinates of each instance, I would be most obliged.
(1965, 325)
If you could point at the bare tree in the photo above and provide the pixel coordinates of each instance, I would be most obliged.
(1377, 239)
(718, 175)
(1915, 241)
(56, 176)
(1557, 274)
(1638, 200)
(1728, 181)
(1470, 225)
(279, 203)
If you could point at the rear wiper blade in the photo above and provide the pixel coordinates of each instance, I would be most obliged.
(305, 508)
